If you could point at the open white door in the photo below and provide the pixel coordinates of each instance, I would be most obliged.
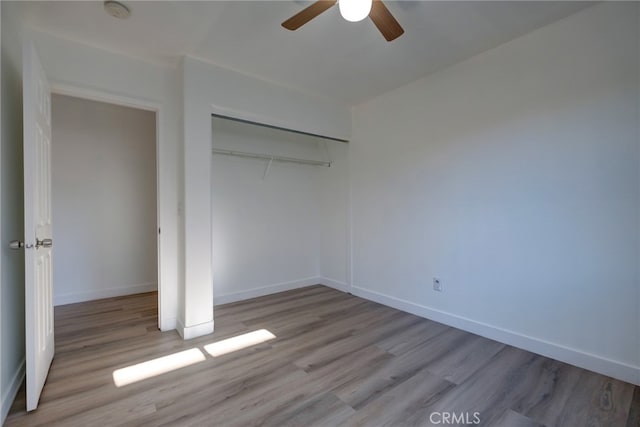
(37, 225)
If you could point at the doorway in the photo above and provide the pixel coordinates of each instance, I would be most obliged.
(104, 209)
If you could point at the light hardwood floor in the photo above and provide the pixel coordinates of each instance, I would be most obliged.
(336, 360)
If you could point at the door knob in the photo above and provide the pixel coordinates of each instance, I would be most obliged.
(16, 244)
(44, 243)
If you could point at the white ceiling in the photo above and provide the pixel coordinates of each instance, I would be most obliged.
(329, 56)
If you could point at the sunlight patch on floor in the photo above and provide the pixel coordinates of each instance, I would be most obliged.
(238, 342)
(155, 367)
(162, 365)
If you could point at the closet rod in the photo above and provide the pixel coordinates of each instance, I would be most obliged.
(235, 119)
(274, 158)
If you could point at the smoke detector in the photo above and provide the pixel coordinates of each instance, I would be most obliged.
(116, 9)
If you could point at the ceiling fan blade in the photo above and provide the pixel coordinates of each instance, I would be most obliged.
(385, 21)
(306, 15)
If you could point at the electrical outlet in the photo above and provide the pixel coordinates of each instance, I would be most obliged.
(437, 284)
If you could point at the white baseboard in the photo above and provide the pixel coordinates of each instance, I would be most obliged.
(189, 332)
(180, 328)
(335, 284)
(265, 290)
(168, 324)
(555, 351)
(103, 293)
(10, 393)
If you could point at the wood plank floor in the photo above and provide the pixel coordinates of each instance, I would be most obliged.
(336, 360)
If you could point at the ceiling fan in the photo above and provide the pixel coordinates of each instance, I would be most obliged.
(351, 10)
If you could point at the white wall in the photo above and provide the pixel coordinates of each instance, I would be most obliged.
(335, 228)
(266, 232)
(104, 200)
(12, 223)
(77, 69)
(209, 89)
(513, 177)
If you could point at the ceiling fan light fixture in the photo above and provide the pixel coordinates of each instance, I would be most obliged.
(116, 9)
(354, 10)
